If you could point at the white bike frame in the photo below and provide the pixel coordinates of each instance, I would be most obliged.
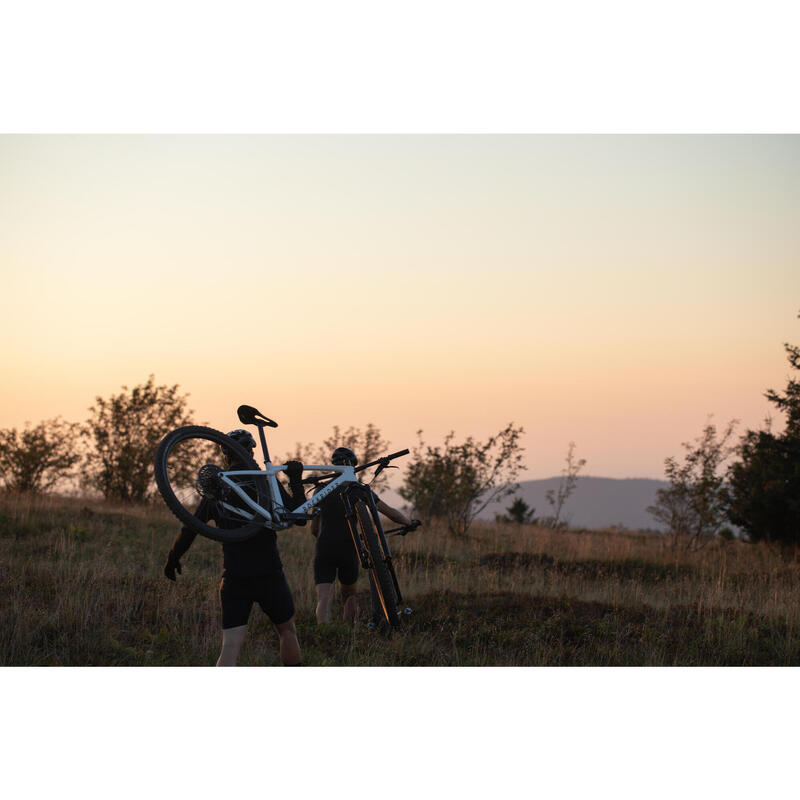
(273, 517)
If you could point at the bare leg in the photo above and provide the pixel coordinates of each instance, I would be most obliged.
(289, 646)
(350, 613)
(324, 602)
(232, 639)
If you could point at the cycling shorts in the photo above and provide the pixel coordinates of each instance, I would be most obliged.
(238, 593)
(336, 558)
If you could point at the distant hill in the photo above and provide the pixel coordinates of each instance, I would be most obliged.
(594, 503)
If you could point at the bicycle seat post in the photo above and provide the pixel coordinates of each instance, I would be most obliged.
(252, 416)
(263, 444)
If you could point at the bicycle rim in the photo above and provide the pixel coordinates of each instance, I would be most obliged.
(187, 463)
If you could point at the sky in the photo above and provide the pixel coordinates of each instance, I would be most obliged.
(610, 290)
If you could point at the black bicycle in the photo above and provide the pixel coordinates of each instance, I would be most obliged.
(370, 541)
(190, 466)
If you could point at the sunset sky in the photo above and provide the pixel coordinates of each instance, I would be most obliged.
(610, 290)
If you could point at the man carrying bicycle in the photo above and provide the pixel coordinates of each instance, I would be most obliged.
(252, 569)
(335, 554)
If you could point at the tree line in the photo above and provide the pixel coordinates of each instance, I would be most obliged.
(753, 484)
(111, 454)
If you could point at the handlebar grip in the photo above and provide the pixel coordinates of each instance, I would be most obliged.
(397, 454)
(382, 460)
(404, 529)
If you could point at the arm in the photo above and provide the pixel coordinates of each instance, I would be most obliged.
(296, 495)
(392, 513)
(183, 541)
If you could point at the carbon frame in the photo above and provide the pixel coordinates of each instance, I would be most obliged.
(274, 516)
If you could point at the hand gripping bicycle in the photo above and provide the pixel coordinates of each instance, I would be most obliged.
(191, 466)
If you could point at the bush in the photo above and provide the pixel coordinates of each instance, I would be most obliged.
(695, 504)
(125, 430)
(35, 459)
(457, 481)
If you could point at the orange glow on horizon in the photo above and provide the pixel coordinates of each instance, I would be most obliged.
(613, 291)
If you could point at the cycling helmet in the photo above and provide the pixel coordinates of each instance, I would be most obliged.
(243, 437)
(342, 456)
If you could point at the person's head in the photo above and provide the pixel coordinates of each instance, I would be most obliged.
(242, 437)
(344, 456)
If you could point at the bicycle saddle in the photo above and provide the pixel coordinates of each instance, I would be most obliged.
(252, 416)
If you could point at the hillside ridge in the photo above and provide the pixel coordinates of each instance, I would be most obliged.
(595, 502)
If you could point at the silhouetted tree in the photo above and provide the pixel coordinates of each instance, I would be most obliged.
(569, 480)
(457, 481)
(125, 430)
(694, 505)
(37, 458)
(765, 481)
(519, 513)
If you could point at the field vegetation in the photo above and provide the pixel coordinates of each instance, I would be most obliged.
(83, 585)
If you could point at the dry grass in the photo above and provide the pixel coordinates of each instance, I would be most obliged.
(83, 585)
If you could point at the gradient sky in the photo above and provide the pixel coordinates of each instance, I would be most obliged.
(611, 290)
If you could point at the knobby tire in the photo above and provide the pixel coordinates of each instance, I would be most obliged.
(382, 578)
(186, 515)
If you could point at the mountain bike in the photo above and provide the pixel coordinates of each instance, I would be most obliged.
(246, 500)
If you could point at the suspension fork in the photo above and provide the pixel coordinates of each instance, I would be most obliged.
(358, 543)
(352, 524)
(373, 510)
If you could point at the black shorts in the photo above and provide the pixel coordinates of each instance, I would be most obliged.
(237, 595)
(338, 558)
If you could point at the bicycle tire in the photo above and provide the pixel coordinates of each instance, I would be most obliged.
(177, 497)
(376, 615)
(380, 572)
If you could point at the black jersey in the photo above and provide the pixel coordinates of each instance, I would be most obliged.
(335, 554)
(253, 557)
(333, 529)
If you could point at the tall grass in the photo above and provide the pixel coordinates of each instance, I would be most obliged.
(83, 584)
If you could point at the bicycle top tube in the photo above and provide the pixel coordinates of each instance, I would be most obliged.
(341, 474)
(272, 519)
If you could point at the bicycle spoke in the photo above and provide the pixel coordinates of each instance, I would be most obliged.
(189, 465)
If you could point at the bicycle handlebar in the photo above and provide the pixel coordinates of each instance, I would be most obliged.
(383, 459)
(404, 529)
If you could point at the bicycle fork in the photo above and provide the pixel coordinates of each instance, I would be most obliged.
(387, 555)
(358, 542)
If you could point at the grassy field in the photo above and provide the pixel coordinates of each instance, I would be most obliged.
(83, 585)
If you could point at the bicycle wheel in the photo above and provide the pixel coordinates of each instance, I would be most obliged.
(187, 463)
(382, 578)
